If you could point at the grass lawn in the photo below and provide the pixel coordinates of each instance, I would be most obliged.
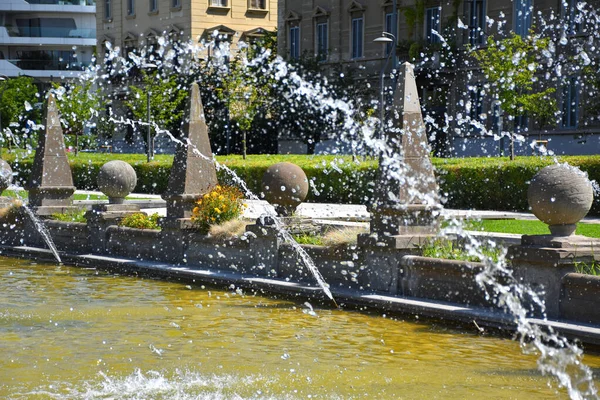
(527, 227)
(23, 194)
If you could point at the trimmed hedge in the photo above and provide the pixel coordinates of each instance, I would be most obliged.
(467, 183)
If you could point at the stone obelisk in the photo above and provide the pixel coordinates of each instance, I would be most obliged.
(406, 198)
(51, 182)
(193, 173)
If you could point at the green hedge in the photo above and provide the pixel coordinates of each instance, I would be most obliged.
(468, 183)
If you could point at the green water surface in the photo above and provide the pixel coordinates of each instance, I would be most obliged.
(83, 334)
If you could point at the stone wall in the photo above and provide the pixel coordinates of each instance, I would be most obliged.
(391, 272)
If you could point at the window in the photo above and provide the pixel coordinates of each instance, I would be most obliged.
(176, 3)
(218, 3)
(476, 17)
(107, 9)
(390, 27)
(521, 123)
(570, 102)
(294, 42)
(475, 108)
(322, 40)
(522, 10)
(49, 27)
(258, 4)
(130, 7)
(357, 37)
(432, 23)
(572, 17)
(153, 5)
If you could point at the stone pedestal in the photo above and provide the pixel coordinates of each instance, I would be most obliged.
(542, 261)
(51, 183)
(406, 200)
(193, 173)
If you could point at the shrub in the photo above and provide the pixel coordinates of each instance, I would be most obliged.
(73, 216)
(141, 221)
(468, 183)
(222, 204)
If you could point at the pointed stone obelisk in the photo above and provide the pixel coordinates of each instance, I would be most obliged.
(51, 182)
(406, 199)
(193, 173)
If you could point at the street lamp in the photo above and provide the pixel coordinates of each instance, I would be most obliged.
(2, 78)
(150, 153)
(385, 38)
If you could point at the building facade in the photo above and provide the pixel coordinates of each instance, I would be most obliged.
(436, 36)
(134, 23)
(46, 39)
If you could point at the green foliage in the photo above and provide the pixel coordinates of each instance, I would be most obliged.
(167, 101)
(527, 227)
(78, 104)
(510, 65)
(305, 238)
(467, 183)
(141, 221)
(447, 249)
(588, 268)
(220, 205)
(414, 16)
(14, 93)
(74, 216)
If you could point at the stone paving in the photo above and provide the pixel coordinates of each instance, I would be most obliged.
(323, 211)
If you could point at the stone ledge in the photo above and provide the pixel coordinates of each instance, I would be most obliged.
(434, 309)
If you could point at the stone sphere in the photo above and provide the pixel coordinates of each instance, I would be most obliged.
(285, 185)
(6, 175)
(116, 179)
(560, 196)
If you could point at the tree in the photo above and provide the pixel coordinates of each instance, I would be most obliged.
(18, 96)
(510, 66)
(78, 104)
(167, 101)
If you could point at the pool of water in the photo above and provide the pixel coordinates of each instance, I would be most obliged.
(80, 333)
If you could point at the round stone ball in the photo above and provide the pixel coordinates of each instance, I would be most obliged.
(286, 185)
(6, 175)
(116, 179)
(560, 194)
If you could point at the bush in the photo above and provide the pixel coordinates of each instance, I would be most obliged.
(467, 183)
(141, 221)
(73, 216)
(222, 204)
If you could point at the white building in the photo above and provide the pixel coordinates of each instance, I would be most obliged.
(46, 39)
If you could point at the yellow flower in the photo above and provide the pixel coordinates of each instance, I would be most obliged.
(206, 196)
(244, 205)
(218, 187)
(213, 194)
(217, 210)
(195, 210)
(221, 197)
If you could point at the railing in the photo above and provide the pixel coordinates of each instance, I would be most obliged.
(41, 65)
(64, 2)
(53, 33)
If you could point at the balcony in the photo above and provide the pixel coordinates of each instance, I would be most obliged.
(49, 65)
(64, 2)
(52, 33)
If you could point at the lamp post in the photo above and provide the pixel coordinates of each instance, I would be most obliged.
(2, 79)
(150, 141)
(385, 39)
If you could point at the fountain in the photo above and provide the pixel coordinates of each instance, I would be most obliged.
(383, 272)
